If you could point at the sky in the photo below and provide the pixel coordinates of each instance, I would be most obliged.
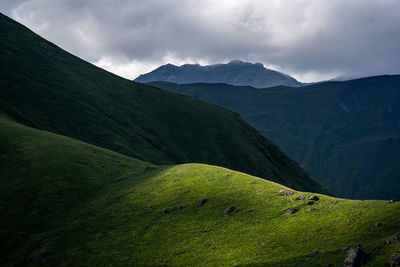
(311, 40)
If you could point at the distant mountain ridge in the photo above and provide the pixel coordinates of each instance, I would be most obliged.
(235, 72)
(346, 134)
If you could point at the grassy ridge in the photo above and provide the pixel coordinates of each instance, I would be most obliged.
(346, 134)
(43, 86)
(87, 206)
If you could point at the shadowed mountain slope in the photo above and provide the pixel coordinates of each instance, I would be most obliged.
(45, 87)
(346, 134)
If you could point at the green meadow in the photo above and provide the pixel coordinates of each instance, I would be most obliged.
(69, 203)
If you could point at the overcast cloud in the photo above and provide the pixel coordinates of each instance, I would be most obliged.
(309, 39)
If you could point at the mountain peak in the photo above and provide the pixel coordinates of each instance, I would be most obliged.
(168, 66)
(237, 61)
(235, 72)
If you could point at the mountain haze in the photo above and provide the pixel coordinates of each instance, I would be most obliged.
(346, 134)
(235, 72)
(48, 88)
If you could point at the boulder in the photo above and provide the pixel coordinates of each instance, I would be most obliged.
(284, 192)
(229, 210)
(203, 201)
(314, 253)
(310, 202)
(166, 211)
(395, 259)
(393, 239)
(312, 209)
(290, 210)
(346, 248)
(355, 256)
(314, 198)
(379, 224)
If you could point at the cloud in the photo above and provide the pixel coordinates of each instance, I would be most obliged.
(7, 5)
(310, 39)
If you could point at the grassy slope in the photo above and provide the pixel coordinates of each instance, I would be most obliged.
(43, 86)
(43, 177)
(86, 206)
(346, 134)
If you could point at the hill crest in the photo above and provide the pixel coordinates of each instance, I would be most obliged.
(68, 203)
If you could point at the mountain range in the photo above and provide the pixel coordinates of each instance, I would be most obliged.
(346, 134)
(235, 72)
(89, 177)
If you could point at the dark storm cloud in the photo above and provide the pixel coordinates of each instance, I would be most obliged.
(310, 39)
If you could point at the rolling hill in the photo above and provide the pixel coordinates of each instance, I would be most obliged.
(235, 72)
(345, 134)
(67, 203)
(45, 87)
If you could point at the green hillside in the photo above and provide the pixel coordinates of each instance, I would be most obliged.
(67, 203)
(45, 87)
(346, 134)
